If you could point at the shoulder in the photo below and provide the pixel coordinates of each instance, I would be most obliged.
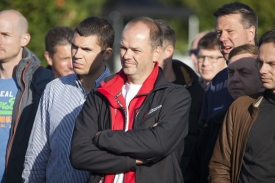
(62, 82)
(41, 78)
(220, 76)
(188, 73)
(246, 100)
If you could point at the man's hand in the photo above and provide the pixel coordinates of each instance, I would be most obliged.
(141, 161)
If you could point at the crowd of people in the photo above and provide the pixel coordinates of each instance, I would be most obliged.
(157, 120)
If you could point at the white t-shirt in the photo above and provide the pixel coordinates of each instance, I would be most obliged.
(129, 91)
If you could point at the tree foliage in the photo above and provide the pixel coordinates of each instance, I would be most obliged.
(43, 15)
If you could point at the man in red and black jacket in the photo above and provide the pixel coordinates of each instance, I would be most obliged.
(131, 128)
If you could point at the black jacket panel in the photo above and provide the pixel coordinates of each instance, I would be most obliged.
(158, 144)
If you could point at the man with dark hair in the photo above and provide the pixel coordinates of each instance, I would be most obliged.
(236, 24)
(47, 157)
(22, 81)
(210, 59)
(245, 148)
(58, 50)
(177, 72)
(130, 128)
(243, 79)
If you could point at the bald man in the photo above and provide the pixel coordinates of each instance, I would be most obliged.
(22, 82)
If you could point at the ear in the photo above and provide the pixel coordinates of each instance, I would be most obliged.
(48, 58)
(251, 33)
(157, 54)
(25, 39)
(169, 50)
(107, 54)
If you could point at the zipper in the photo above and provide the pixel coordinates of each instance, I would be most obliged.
(122, 107)
(16, 121)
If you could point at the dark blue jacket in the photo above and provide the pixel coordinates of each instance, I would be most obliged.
(216, 98)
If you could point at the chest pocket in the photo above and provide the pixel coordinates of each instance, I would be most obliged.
(150, 118)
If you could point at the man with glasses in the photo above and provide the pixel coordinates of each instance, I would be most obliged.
(210, 59)
(194, 49)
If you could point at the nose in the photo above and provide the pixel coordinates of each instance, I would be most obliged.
(263, 69)
(234, 78)
(205, 61)
(125, 53)
(223, 36)
(76, 52)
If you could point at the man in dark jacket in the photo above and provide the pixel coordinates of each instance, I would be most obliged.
(243, 79)
(236, 24)
(22, 82)
(129, 130)
(178, 72)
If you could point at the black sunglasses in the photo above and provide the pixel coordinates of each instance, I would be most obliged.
(193, 51)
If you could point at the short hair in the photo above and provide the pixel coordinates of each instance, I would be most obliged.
(97, 26)
(58, 36)
(209, 41)
(246, 48)
(268, 37)
(167, 31)
(249, 17)
(156, 36)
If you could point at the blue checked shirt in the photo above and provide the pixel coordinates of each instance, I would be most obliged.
(47, 156)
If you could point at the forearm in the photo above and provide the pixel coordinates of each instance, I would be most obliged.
(151, 143)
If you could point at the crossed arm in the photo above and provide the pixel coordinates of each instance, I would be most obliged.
(117, 151)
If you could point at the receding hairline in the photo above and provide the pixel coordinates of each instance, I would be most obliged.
(22, 22)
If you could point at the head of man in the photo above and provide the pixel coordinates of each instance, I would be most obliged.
(236, 24)
(58, 50)
(193, 52)
(140, 48)
(243, 72)
(13, 36)
(91, 46)
(209, 57)
(169, 41)
(266, 59)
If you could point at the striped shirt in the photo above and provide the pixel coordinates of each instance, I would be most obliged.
(47, 156)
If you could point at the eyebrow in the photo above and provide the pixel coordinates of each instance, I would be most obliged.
(83, 48)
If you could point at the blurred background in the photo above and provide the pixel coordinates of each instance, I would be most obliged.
(187, 17)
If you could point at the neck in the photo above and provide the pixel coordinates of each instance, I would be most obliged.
(167, 68)
(88, 81)
(8, 67)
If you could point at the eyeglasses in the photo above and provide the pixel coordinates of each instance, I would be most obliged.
(193, 51)
(211, 59)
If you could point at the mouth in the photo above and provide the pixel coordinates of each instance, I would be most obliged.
(127, 64)
(265, 80)
(77, 65)
(226, 49)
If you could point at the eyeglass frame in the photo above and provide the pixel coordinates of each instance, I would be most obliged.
(211, 59)
(193, 51)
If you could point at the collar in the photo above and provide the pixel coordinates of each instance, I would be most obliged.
(105, 74)
(112, 88)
